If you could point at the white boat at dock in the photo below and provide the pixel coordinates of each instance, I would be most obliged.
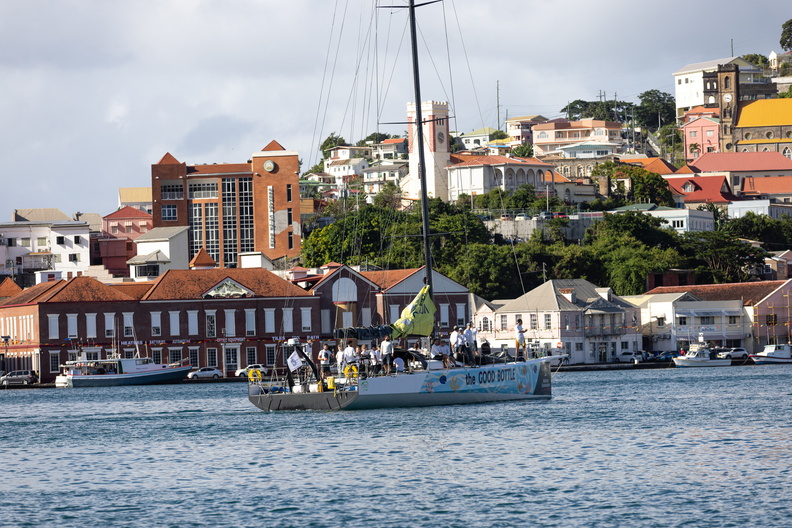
(118, 371)
(773, 354)
(701, 355)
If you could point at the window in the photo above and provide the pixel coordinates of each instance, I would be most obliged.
(548, 321)
(661, 322)
(534, 323)
(682, 321)
(270, 354)
(74, 257)
(202, 190)
(211, 329)
(250, 355)
(305, 318)
(503, 323)
(193, 354)
(53, 326)
(114, 228)
(231, 358)
(710, 133)
(288, 192)
(771, 319)
(290, 239)
(460, 315)
(90, 325)
(444, 315)
(156, 324)
(11, 242)
(168, 213)
(211, 357)
(60, 240)
(77, 240)
(289, 218)
(129, 328)
(192, 322)
(172, 192)
(269, 320)
(71, 325)
(230, 323)
(733, 319)
(787, 152)
(109, 325)
(173, 317)
(693, 133)
(707, 320)
(156, 355)
(288, 320)
(484, 325)
(41, 242)
(250, 321)
(54, 360)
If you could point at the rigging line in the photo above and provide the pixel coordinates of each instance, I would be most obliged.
(332, 75)
(314, 139)
(467, 62)
(448, 56)
(393, 68)
(431, 59)
(513, 248)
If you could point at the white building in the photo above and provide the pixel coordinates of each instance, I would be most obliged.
(520, 128)
(572, 316)
(482, 174)
(159, 250)
(28, 247)
(689, 82)
(759, 207)
(375, 177)
(671, 321)
(434, 115)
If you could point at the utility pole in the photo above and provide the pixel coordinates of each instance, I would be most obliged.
(732, 47)
(497, 102)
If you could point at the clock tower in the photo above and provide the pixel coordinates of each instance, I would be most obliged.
(436, 150)
(728, 102)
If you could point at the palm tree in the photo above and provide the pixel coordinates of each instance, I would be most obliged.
(694, 148)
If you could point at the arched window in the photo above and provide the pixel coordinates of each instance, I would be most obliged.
(727, 82)
(787, 152)
(484, 325)
(542, 135)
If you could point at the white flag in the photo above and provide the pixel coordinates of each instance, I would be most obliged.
(294, 361)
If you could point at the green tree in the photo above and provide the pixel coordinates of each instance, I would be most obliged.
(757, 60)
(390, 196)
(645, 186)
(633, 224)
(656, 109)
(718, 214)
(524, 150)
(719, 257)
(333, 140)
(786, 35)
(500, 134)
(375, 137)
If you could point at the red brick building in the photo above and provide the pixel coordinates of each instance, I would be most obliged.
(232, 208)
(116, 243)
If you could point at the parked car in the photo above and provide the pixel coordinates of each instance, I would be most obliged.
(627, 357)
(485, 217)
(521, 216)
(205, 372)
(559, 215)
(545, 215)
(506, 217)
(243, 372)
(664, 356)
(733, 353)
(19, 377)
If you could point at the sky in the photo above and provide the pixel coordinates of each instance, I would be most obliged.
(93, 92)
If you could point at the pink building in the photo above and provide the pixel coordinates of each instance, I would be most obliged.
(700, 132)
(551, 136)
(116, 244)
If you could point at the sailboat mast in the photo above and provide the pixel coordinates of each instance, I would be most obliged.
(419, 140)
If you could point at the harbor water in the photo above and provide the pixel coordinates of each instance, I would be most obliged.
(665, 447)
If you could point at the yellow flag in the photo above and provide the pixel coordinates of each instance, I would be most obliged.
(417, 318)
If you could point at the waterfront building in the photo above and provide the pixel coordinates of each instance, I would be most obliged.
(766, 309)
(232, 208)
(586, 138)
(475, 175)
(570, 316)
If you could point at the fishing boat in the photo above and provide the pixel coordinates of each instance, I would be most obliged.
(700, 355)
(118, 371)
(773, 354)
(424, 382)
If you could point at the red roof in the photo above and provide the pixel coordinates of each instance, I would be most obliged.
(128, 212)
(762, 185)
(395, 140)
(9, 288)
(741, 161)
(272, 145)
(136, 290)
(77, 289)
(749, 292)
(192, 284)
(388, 278)
(656, 165)
(202, 259)
(706, 189)
(499, 160)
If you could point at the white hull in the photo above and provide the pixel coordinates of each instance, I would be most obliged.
(154, 377)
(502, 382)
(701, 362)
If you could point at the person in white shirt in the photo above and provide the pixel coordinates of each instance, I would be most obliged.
(452, 340)
(470, 338)
(399, 364)
(324, 360)
(519, 340)
(387, 354)
(376, 360)
(339, 360)
(440, 352)
(350, 356)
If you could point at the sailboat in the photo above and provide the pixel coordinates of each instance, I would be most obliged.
(425, 382)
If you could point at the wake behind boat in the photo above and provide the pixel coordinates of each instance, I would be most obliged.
(118, 371)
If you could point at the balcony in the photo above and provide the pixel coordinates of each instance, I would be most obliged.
(605, 330)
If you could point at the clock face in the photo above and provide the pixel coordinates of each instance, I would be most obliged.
(727, 98)
(440, 137)
(269, 165)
